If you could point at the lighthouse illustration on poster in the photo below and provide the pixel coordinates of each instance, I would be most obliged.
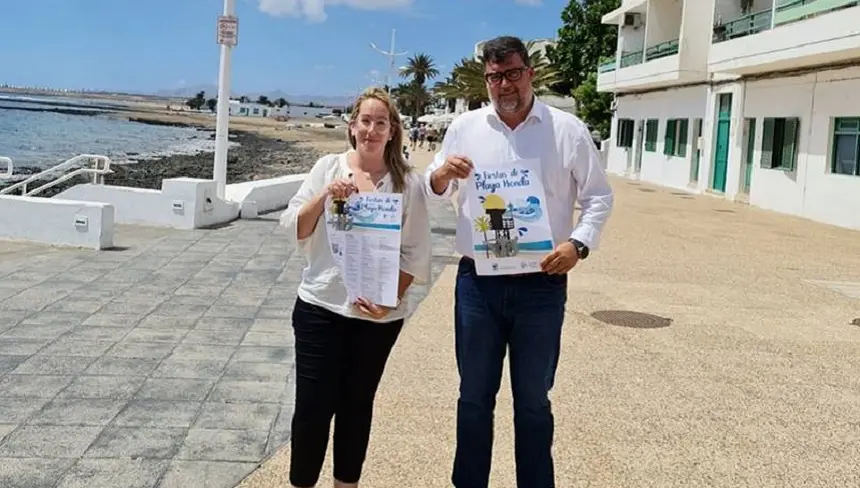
(510, 227)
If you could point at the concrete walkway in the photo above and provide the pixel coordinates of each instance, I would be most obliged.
(166, 363)
(706, 344)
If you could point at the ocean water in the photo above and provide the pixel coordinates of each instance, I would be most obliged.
(44, 139)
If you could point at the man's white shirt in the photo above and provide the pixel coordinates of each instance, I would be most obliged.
(571, 168)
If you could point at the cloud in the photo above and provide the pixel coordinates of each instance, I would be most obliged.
(529, 3)
(314, 10)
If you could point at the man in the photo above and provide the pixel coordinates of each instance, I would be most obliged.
(520, 312)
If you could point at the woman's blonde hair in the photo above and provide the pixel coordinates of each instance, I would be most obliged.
(393, 156)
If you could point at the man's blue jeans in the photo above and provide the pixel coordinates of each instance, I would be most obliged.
(493, 313)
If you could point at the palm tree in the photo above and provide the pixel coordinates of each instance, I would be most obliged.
(420, 68)
(482, 225)
(412, 98)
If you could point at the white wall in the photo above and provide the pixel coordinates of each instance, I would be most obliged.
(182, 203)
(268, 195)
(664, 21)
(631, 39)
(57, 222)
(683, 103)
(811, 190)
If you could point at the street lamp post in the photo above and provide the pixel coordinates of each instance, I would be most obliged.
(228, 36)
(391, 55)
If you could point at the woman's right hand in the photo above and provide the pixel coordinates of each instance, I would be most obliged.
(341, 189)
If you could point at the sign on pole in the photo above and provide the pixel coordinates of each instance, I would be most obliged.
(228, 30)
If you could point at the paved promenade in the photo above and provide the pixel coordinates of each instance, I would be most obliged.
(706, 344)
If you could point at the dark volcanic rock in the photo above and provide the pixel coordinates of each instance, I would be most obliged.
(255, 158)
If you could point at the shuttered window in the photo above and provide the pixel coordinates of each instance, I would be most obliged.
(675, 139)
(624, 133)
(669, 138)
(846, 146)
(681, 142)
(779, 143)
(651, 135)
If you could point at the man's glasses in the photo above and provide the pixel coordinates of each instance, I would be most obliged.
(513, 75)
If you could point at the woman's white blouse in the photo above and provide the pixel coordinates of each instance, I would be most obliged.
(322, 282)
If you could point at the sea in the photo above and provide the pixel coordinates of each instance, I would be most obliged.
(35, 138)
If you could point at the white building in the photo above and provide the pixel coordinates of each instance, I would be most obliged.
(251, 109)
(752, 100)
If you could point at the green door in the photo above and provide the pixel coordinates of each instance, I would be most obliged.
(721, 151)
(750, 153)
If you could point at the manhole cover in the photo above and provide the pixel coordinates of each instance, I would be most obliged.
(723, 210)
(856, 322)
(647, 190)
(687, 197)
(635, 320)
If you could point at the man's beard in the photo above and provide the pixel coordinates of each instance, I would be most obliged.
(509, 103)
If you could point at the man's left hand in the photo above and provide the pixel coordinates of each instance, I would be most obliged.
(561, 260)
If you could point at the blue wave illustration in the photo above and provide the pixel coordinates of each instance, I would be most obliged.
(359, 214)
(528, 210)
(524, 246)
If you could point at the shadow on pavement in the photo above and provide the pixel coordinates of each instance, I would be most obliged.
(634, 320)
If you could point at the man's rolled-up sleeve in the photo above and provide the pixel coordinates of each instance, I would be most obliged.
(593, 192)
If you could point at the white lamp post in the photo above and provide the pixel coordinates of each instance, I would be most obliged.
(391, 55)
(228, 37)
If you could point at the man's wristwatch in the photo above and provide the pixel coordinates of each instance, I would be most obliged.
(581, 249)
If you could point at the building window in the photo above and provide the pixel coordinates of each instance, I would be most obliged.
(651, 135)
(675, 140)
(624, 133)
(779, 143)
(846, 146)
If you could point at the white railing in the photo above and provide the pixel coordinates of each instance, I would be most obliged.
(9, 168)
(90, 164)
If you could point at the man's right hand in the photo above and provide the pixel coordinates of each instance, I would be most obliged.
(458, 167)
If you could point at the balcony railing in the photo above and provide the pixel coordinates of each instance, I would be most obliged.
(794, 10)
(747, 25)
(662, 50)
(631, 58)
(606, 64)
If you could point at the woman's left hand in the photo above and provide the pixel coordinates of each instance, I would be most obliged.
(372, 310)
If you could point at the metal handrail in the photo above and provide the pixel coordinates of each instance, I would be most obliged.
(100, 167)
(10, 168)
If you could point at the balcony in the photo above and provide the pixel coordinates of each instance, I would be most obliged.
(784, 35)
(662, 49)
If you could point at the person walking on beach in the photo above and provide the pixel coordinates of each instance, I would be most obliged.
(342, 347)
(413, 136)
(521, 313)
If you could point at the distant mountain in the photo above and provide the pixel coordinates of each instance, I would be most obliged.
(212, 91)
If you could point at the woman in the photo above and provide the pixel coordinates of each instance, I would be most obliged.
(342, 347)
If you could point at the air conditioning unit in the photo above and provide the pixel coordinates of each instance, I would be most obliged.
(633, 20)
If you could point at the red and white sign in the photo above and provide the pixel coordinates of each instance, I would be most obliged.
(228, 30)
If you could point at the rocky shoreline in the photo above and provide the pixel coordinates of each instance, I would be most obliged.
(256, 157)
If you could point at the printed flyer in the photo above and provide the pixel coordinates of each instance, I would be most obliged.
(511, 230)
(364, 235)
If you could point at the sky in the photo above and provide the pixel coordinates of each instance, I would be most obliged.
(303, 47)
